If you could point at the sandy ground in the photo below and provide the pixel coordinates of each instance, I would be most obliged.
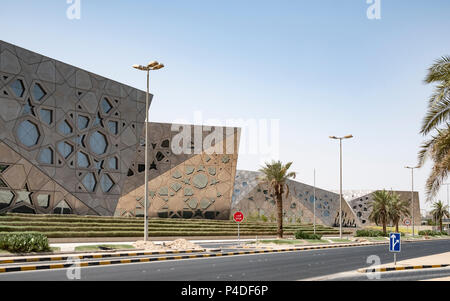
(178, 244)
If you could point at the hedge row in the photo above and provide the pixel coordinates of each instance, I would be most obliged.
(155, 233)
(24, 242)
(432, 233)
(182, 228)
(306, 235)
(155, 225)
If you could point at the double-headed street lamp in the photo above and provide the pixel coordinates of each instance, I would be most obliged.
(412, 194)
(150, 67)
(340, 189)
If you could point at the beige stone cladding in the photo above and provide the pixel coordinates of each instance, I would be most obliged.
(255, 199)
(75, 127)
(188, 185)
(361, 201)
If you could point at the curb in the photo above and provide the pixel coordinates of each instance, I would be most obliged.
(95, 256)
(409, 267)
(142, 260)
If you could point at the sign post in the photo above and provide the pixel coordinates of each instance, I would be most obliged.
(394, 245)
(238, 218)
(407, 223)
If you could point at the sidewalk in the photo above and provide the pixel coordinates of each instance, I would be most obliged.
(67, 247)
(431, 261)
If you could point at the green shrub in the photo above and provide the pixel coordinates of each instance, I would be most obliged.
(370, 233)
(431, 233)
(304, 235)
(24, 242)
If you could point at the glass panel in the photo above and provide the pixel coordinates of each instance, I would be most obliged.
(38, 92)
(98, 143)
(46, 156)
(106, 183)
(65, 149)
(89, 182)
(23, 209)
(3, 167)
(27, 133)
(62, 208)
(83, 122)
(83, 160)
(24, 196)
(47, 116)
(106, 106)
(65, 128)
(6, 198)
(28, 109)
(113, 127)
(17, 87)
(43, 200)
(113, 163)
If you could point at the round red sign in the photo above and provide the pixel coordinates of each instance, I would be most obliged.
(238, 217)
(407, 222)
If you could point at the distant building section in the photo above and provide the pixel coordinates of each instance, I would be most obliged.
(255, 200)
(360, 201)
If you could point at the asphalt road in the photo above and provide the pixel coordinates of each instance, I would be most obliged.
(271, 267)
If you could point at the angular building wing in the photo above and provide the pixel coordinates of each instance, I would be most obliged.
(255, 200)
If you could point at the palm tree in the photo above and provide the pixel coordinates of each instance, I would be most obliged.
(397, 208)
(380, 208)
(276, 174)
(438, 147)
(439, 211)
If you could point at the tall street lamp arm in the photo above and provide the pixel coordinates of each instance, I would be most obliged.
(154, 65)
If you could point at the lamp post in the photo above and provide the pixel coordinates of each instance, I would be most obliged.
(340, 189)
(412, 194)
(448, 208)
(150, 67)
(314, 192)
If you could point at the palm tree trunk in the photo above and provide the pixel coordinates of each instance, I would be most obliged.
(396, 226)
(280, 216)
(440, 224)
(384, 227)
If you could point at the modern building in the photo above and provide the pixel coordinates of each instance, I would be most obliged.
(74, 142)
(255, 200)
(71, 142)
(360, 200)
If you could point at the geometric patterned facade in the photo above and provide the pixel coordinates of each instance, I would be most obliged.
(72, 142)
(361, 199)
(67, 136)
(255, 199)
(196, 185)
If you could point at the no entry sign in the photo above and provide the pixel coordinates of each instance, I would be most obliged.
(238, 217)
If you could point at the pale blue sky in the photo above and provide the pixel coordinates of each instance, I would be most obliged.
(320, 66)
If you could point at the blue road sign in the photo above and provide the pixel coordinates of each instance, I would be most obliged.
(394, 242)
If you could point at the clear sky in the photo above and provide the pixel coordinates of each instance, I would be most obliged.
(319, 66)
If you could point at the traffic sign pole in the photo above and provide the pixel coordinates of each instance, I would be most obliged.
(238, 218)
(239, 237)
(395, 245)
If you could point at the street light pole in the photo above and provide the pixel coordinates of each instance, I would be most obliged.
(340, 184)
(448, 208)
(412, 195)
(314, 192)
(151, 66)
